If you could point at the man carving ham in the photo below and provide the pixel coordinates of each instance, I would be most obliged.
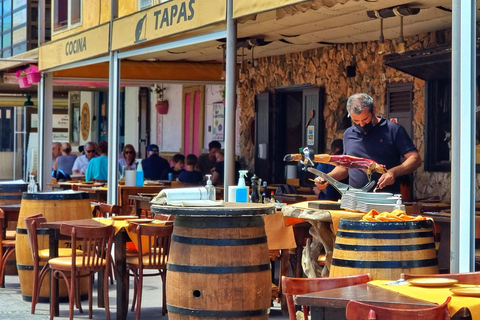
(374, 137)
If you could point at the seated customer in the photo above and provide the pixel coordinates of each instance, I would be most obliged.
(190, 175)
(64, 163)
(98, 167)
(154, 165)
(178, 164)
(219, 174)
(81, 163)
(128, 161)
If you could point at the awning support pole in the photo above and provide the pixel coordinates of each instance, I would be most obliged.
(113, 120)
(230, 101)
(463, 136)
(45, 112)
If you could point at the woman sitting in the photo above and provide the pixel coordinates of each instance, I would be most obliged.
(64, 163)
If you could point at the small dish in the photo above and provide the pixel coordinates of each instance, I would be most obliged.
(140, 220)
(432, 282)
(124, 217)
(469, 291)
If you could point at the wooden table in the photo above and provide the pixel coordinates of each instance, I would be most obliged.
(120, 263)
(331, 304)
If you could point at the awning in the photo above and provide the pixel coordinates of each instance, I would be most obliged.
(148, 71)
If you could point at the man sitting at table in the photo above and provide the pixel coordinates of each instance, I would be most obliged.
(154, 165)
(98, 167)
(81, 163)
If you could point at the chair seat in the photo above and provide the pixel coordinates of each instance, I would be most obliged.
(133, 260)
(10, 235)
(66, 262)
(8, 243)
(44, 254)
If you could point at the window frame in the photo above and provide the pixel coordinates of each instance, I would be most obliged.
(69, 25)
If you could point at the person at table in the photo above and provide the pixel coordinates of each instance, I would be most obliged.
(98, 167)
(190, 175)
(81, 163)
(64, 163)
(330, 193)
(56, 152)
(206, 162)
(219, 173)
(154, 165)
(178, 164)
(128, 161)
(374, 137)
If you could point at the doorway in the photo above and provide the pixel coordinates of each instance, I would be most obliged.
(143, 122)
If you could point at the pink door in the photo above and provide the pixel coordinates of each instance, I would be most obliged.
(193, 119)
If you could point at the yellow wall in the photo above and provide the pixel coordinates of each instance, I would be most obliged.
(96, 12)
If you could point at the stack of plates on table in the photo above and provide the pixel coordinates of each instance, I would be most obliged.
(366, 201)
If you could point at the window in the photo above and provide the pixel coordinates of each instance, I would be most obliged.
(67, 13)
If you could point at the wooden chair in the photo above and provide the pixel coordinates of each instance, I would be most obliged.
(96, 243)
(155, 258)
(294, 286)
(463, 278)
(102, 209)
(7, 247)
(357, 310)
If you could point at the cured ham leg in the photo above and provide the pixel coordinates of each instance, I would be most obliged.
(369, 166)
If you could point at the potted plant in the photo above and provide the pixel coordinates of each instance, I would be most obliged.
(33, 76)
(161, 105)
(22, 79)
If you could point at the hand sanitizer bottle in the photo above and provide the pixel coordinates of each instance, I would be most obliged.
(139, 175)
(242, 190)
(210, 188)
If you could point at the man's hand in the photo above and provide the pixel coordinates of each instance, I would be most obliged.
(386, 179)
(321, 183)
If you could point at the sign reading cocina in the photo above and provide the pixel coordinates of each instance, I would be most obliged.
(87, 44)
(166, 19)
(243, 8)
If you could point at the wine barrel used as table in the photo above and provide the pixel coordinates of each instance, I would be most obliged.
(384, 249)
(218, 265)
(11, 194)
(55, 206)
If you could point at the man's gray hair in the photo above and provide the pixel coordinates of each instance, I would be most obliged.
(359, 101)
(90, 143)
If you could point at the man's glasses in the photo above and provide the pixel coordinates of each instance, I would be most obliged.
(128, 152)
(89, 151)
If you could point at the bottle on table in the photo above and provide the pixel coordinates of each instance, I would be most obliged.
(272, 197)
(210, 188)
(139, 175)
(255, 193)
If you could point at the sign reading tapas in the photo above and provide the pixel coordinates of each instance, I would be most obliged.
(87, 44)
(166, 19)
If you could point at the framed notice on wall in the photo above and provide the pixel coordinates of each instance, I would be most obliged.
(218, 121)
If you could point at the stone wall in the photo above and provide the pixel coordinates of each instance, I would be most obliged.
(325, 67)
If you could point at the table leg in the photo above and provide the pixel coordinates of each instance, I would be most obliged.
(325, 238)
(53, 252)
(121, 275)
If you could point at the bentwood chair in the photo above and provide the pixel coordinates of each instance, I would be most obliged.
(357, 310)
(102, 209)
(96, 243)
(155, 258)
(463, 278)
(32, 224)
(294, 286)
(7, 247)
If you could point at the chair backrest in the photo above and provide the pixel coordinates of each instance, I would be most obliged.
(164, 217)
(463, 278)
(96, 244)
(179, 184)
(32, 223)
(158, 243)
(294, 286)
(357, 310)
(103, 208)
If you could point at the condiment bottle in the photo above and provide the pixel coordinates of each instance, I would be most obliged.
(255, 194)
(210, 188)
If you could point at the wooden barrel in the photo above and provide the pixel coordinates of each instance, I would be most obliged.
(218, 268)
(384, 249)
(11, 193)
(55, 206)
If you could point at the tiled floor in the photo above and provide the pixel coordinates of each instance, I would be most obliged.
(12, 307)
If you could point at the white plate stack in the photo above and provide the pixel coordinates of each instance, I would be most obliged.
(366, 201)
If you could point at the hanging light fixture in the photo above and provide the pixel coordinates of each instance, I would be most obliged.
(223, 64)
(243, 72)
(28, 103)
(401, 40)
(381, 40)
